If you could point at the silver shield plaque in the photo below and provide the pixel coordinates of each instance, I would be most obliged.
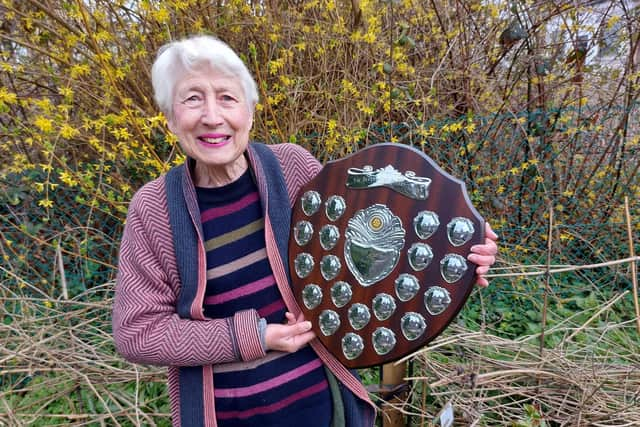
(378, 253)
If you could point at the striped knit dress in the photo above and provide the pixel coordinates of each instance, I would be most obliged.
(282, 389)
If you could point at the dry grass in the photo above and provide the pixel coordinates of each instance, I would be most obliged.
(592, 378)
(59, 368)
(59, 354)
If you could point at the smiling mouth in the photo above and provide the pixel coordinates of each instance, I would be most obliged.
(215, 141)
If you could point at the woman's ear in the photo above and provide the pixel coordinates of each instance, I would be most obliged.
(170, 123)
(252, 112)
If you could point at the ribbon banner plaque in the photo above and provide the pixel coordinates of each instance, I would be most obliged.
(378, 253)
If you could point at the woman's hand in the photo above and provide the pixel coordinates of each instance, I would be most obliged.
(484, 255)
(290, 337)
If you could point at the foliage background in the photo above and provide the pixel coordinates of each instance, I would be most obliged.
(532, 104)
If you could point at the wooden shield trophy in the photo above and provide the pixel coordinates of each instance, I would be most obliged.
(378, 253)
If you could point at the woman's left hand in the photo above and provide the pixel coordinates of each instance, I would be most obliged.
(484, 255)
(291, 337)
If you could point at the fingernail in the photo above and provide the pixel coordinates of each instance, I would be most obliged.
(307, 325)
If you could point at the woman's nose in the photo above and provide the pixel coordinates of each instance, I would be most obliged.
(211, 113)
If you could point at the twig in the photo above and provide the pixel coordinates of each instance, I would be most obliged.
(502, 374)
(137, 395)
(606, 307)
(546, 282)
(565, 269)
(63, 278)
(24, 282)
(634, 276)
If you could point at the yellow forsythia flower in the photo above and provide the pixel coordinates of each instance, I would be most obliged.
(45, 203)
(44, 124)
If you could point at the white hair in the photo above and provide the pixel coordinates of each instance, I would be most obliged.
(179, 57)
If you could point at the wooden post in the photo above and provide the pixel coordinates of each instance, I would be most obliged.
(393, 382)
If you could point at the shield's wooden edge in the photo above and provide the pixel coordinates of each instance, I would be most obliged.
(479, 237)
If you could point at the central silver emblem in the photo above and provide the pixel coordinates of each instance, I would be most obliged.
(373, 240)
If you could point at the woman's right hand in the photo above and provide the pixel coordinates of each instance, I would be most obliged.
(290, 337)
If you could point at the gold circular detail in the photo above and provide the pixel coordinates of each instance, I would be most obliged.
(375, 223)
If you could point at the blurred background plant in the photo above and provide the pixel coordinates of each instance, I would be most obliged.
(533, 104)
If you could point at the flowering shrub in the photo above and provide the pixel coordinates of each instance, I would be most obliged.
(500, 96)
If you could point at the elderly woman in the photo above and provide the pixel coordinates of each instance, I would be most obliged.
(202, 284)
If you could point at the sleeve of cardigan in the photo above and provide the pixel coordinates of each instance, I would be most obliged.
(146, 326)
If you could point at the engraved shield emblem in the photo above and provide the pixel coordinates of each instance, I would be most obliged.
(374, 238)
(377, 253)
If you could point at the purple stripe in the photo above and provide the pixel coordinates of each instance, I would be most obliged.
(269, 384)
(274, 407)
(214, 213)
(274, 307)
(241, 291)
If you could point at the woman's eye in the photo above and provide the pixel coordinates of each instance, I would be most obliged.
(194, 100)
(227, 98)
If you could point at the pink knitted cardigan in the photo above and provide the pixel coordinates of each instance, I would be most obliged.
(146, 325)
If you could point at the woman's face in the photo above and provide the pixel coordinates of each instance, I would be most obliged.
(212, 120)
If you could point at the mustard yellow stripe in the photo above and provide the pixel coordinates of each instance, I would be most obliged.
(244, 366)
(225, 239)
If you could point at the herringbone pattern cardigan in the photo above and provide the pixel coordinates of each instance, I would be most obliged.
(158, 315)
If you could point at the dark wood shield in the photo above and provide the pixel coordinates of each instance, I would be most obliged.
(378, 252)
